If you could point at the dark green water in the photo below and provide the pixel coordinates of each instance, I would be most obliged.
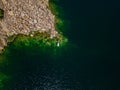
(95, 29)
(91, 63)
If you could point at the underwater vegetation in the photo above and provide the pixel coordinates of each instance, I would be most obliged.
(3, 80)
(1, 13)
(40, 41)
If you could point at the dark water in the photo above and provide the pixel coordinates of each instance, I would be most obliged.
(95, 29)
(93, 64)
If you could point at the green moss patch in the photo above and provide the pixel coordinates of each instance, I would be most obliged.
(60, 22)
(40, 41)
(1, 13)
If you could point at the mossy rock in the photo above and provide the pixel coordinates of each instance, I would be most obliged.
(1, 13)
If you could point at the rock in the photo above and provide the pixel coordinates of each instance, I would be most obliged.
(25, 16)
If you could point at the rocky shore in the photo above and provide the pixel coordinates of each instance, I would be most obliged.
(25, 16)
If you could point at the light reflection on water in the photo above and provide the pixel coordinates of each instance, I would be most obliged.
(45, 77)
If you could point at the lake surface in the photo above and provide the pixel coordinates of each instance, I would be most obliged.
(91, 63)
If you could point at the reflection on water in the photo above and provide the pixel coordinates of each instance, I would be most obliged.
(45, 77)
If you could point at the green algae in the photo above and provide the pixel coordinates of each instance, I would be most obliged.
(60, 22)
(41, 41)
(3, 79)
(1, 13)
